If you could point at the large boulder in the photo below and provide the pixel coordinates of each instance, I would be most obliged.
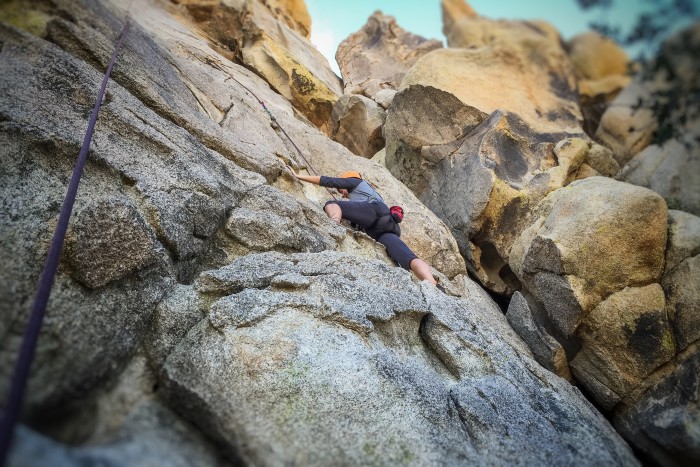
(589, 240)
(357, 124)
(489, 66)
(377, 57)
(596, 56)
(603, 69)
(305, 340)
(658, 106)
(258, 34)
(480, 175)
(151, 435)
(672, 170)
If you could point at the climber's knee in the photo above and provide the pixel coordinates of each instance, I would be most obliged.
(333, 211)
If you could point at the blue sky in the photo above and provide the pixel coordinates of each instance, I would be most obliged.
(332, 20)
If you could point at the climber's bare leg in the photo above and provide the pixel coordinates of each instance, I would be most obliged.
(421, 269)
(334, 212)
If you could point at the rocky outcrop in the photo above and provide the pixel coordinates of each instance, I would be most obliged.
(207, 312)
(596, 57)
(603, 69)
(672, 170)
(658, 107)
(590, 240)
(480, 175)
(164, 194)
(631, 314)
(268, 372)
(377, 57)
(357, 124)
(270, 38)
(294, 14)
(497, 58)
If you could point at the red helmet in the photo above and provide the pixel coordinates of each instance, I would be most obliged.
(396, 213)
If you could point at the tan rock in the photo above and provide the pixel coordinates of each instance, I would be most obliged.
(377, 56)
(624, 339)
(681, 279)
(584, 171)
(602, 160)
(596, 95)
(251, 32)
(357, 124)
(596, 56)
(624, 127)
(671, 170)
(608, 86)
(480, 176)
(293, 12)
(463, 27)
(493, 70)
(592, 239)
(683, 238)
(682, 287)
(453, 11)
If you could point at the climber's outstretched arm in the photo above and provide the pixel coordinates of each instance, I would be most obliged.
(315, 179)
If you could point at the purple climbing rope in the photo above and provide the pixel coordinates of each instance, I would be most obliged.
(13, 403)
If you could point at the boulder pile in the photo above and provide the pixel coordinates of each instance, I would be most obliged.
(207, 312)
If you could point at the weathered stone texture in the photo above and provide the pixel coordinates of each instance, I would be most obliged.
(377, 57)
(358, 124)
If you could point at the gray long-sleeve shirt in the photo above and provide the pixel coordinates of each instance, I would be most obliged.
(359, 190)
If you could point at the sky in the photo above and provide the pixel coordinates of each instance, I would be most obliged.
(332, 20)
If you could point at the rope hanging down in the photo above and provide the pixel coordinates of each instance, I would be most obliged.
(18, 383)
(272, 117)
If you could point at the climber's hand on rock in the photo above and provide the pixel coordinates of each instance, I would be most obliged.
(291, 171)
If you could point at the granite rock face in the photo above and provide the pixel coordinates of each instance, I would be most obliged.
(497, 58)
(418, 377)
(273, 43)
(528, 323)
(603, 69)
(207, 312)
(358, 123)
(151, 435)
(158, 200)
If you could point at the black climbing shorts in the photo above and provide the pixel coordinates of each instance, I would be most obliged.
(363, 214)
(358, 212)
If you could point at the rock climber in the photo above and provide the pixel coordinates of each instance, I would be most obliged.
(366, 209)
